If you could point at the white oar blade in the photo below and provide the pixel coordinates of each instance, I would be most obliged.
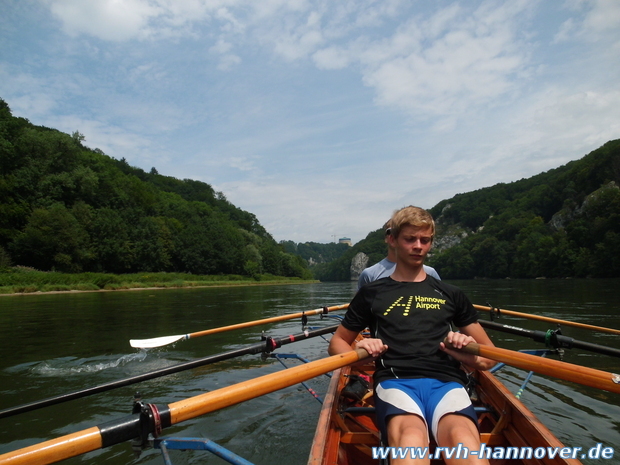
(156, 341)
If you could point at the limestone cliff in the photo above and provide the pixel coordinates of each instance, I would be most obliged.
(359, 262)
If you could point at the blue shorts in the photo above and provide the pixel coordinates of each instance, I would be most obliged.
(430, 399)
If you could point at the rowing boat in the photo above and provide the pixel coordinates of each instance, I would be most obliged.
(346, 432)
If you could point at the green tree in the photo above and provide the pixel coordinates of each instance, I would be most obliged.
(153, 243)
(454, 263)
(5, 259)
(112, 243)
(606, 256)
(490, 257)
(53, 240)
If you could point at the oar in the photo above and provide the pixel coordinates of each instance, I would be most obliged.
(265, 346)
(152, 419)
(561, 370)
(165, 340)
(530, 316)
(551, 339)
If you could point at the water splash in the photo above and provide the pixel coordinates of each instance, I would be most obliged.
(70, 365)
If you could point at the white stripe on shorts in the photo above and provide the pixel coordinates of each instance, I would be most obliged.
(400, 400)
(454, 401)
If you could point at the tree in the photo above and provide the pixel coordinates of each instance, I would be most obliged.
(5, 259)
(491, 257)
(112, 244)
(454, 263)
(153, 243)
(53, 240)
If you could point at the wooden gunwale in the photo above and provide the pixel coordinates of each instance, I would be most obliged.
(522, 428)
(326, 439)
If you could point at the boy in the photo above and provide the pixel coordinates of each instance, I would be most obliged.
(386, 266)
(418, 381)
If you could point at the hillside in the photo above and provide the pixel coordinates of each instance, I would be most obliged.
(66, 207)
(561, 223)
(315, 253)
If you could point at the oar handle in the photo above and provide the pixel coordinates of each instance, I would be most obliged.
(472, 348)
(549, 319)
(566, 371)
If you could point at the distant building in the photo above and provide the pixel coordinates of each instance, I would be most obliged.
(345, 240)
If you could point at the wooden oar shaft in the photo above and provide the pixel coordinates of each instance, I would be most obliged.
(530, 316)
(264, 321)
(225, 397)
(562, 370)
(55, 450)
(90, 439)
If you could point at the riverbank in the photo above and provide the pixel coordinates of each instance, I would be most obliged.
(27, 281)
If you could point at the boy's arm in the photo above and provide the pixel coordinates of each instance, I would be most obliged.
(470, 333)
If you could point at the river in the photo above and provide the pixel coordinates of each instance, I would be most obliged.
(60, 343)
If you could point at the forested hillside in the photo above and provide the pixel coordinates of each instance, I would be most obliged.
(68, 208)
(316, 253)
(561, 223)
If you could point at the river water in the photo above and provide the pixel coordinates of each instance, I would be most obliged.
(60, 343)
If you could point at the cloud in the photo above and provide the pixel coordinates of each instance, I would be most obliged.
(592, 21)
(105, 19)
(227, 60)
(591, 115)
(310, 209)
(604, 16)
(434, 62)
(110, 139)
(565, 32)
(331, 58)
(34, 103)
(449, 62)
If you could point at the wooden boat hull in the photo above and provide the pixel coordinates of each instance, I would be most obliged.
(345, 436)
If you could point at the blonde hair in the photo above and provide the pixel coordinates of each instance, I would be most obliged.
(414, 216)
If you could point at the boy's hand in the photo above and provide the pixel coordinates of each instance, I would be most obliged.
(458, 341)
(373, 346)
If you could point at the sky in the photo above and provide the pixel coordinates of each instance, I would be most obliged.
(321, 117)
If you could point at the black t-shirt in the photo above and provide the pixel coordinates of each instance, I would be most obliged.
(412, 319)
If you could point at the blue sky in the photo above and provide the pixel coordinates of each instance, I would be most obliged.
(321, 117)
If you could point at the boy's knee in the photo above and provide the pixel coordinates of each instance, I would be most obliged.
(453, 429)
(407, 429)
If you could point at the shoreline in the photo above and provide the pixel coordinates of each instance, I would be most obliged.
(160, 288)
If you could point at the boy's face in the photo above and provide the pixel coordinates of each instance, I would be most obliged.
(412, 245)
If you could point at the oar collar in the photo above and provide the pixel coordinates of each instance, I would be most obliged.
(145, 420)
(493, 311)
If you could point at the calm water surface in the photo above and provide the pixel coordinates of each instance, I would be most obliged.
(55, 344)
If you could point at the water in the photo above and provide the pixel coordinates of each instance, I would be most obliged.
(56, 344)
